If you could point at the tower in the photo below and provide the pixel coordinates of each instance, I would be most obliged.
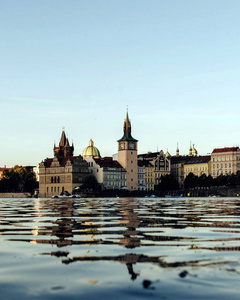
(64, 149)
(177, 151)
(127, 155)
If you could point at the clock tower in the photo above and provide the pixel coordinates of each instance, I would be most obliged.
(127, 155)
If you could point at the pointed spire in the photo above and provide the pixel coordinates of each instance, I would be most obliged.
(127, 130)
(63, 139)
(177, 151)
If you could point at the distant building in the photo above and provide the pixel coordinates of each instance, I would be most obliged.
(64, 172)
(225, 161)
(141, 174)
(36, 171)
(108, 172)
(198, 165)
(177, 168)
(161, 167)
(127, 155)
(2, 170)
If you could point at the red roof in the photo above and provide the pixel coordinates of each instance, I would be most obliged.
(62, 161)
(108, 162)
(227, 149)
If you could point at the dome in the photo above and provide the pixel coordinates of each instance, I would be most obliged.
(91, 151)
(194, 151)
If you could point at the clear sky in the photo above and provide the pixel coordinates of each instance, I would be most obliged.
(78, 64)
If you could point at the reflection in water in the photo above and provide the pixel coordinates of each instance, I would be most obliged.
(166, 233)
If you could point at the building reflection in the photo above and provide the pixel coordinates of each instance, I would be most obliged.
(126, 223)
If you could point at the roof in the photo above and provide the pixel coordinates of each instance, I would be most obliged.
(3, 169)
(142, 163)
(108, 162)
(148, 156)
(91, 151)
(226, 149)
(127, 136)
(179, 159)
(198, 160)
(62, 161)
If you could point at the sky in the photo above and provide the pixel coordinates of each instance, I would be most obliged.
(79, 64)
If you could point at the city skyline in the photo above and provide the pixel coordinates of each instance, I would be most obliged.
(79, 64)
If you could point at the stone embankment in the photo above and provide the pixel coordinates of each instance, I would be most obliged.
(15, 195)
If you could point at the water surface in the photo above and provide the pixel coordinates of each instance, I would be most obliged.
(126, 248)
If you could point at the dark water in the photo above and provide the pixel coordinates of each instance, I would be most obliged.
(185, 248)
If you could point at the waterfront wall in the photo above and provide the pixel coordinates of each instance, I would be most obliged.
(15, 195)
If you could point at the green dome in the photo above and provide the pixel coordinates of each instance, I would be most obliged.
(91, 151)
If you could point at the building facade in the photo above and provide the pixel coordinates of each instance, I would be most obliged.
(161, 167)
(108, 172)
(127, 155)
(225, 161)
(63, 172)
(198, 165)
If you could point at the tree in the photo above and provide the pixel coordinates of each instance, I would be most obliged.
(167, 182)
(90, 183)
(18, 179)
(190, 181)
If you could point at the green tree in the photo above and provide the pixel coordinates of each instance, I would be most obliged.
(18, 179)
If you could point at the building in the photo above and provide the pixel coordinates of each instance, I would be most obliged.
(225, 161)
(198, 165)
(127, 155)
(36, 171)
(177, 168)
(161, 167)
(63, 172)
(108, 172)
(2, 171)
(149, 176)
(141, 174)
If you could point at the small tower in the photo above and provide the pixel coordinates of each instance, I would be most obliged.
(64, 149)
(194, 151)
(177, 151)
(190, 149)
(127, 155)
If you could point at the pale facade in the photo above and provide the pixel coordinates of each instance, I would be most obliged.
(127, 156)
(225, 161)
(198, 165)
(108, 172)
(149, 177)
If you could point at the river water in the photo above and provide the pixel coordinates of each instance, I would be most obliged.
(123, 248)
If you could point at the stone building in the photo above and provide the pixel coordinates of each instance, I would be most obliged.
(63, 172)
(127, 155)
(225, 161)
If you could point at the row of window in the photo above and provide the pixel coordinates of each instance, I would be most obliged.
(55, 189)
(218, 165)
